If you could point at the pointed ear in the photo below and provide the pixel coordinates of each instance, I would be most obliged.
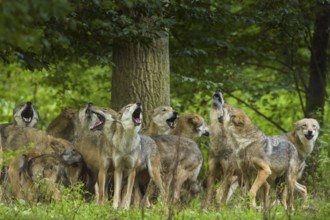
(297, 124)
(316, 124)
(194, 120)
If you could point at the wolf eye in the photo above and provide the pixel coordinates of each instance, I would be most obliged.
(164, 110)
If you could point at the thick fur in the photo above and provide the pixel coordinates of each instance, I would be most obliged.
(30, 143)
(181, 161)
(271, 157)
(181, 157)
(126, 146)
(162, 121)
(221, 162)
(50, 169)
(190, 125)
(93, 145)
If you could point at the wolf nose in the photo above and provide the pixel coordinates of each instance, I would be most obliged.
(175, 113)
(310, 132)
(29, 103)
(206, 133)
(89, 104)
(138, 104)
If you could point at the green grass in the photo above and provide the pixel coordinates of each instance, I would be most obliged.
(73, 206)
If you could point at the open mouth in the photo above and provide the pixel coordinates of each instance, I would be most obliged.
(100, 120)
(136, 116)
(171, 121)
(27, 114)
(309, 136)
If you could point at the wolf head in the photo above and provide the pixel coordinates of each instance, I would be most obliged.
(191, 125)
(90, 117)
(131, 116)
(307, 129)
(217, 100)
(26, 115)
(164, 118)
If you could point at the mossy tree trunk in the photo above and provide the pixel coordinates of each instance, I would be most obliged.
(141, 73)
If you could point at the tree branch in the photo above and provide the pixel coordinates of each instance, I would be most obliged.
(256, 111)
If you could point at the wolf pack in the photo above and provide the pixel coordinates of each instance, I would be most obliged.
(115, 158)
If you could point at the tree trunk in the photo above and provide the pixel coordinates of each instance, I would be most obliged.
(141, 73)
(316, 91)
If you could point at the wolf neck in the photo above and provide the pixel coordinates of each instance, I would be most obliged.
(126, 138)
(153, 129)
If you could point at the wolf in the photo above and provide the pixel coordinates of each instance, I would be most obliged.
(271, 157)
(25, 115)
(124, 153)
(163, 119)
(221, 161)
(51, 169)
(85, 127)
(303, 136)
(190, 125)
(181, 158)
(29, 143)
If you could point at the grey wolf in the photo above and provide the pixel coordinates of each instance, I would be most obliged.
(126, 145)
(181, 158)
(25, 115)
(221, 162)
(271, 157)
(190, 125)
(163, 119)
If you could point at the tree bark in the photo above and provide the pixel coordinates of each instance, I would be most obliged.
(141, 73)
(316, 91)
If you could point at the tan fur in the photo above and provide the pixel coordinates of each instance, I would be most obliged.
(303, 137)
(162, 120)
(94, 146)
(63, 125)
(31, 143)
(272, 157)
(190, 125)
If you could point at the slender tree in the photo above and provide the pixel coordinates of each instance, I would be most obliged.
(316, 91)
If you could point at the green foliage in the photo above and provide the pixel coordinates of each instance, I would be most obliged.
(53, 89)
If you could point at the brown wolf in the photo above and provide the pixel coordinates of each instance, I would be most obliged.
(51, 169)
(272, 157)
(31, 143)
